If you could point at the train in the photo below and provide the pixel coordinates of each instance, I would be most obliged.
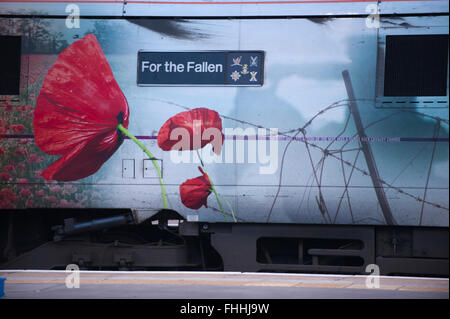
(252, 135)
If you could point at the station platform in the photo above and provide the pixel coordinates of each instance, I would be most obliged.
(29, 284)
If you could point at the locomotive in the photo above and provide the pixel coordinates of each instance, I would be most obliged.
(281, 136)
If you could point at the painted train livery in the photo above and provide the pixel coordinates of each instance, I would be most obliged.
(253, 135)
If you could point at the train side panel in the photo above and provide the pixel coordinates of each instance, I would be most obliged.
(310, 177)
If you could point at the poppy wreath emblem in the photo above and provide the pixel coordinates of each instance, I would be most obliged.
(82, 114)
(193, 130)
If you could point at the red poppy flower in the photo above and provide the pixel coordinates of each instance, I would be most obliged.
(5, 176)
(39, 193)
(19, 128)
(6, 205)
(77, 112)
(7, 194)
(25, 193)
(9, 167)
(23, 182)
(20, 151)
(51, 199)
(195, 191)
(2, 131)
(196, 122)
(34, 158)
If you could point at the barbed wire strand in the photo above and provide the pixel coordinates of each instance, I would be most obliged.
(331, 154)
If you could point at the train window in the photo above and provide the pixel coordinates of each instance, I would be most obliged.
(416, 65)
(10, 47)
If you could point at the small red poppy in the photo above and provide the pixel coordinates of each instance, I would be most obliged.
(195, 122)
(52, 199)
(195, 191)
(20, 151)
(19, 128)
(39, 193)
(5, 176)
(25, 193)
(77, 112)
(7, 194)
(9, 167)
(6, 205)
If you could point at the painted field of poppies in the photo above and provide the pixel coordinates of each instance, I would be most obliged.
(22, 163)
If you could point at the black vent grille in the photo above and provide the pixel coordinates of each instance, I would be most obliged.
(416, 65)
(10, 47)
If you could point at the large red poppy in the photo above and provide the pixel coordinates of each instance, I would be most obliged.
(195, 191)
(77, 112)
(196, 122)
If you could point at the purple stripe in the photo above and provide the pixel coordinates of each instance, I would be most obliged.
(423, 139)
(283, 138)
(143, 137)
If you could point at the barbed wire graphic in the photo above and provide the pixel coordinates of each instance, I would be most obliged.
(316, 177)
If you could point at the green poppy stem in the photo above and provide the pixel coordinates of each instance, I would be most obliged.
(229, 206)
(152, 158)
(217, 196)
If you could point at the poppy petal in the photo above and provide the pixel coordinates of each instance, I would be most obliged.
(83, 160)
(195, 122)
(78, 110)
(195, 191)
(79, 99)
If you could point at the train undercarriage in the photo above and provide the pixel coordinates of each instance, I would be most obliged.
(121, 240)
